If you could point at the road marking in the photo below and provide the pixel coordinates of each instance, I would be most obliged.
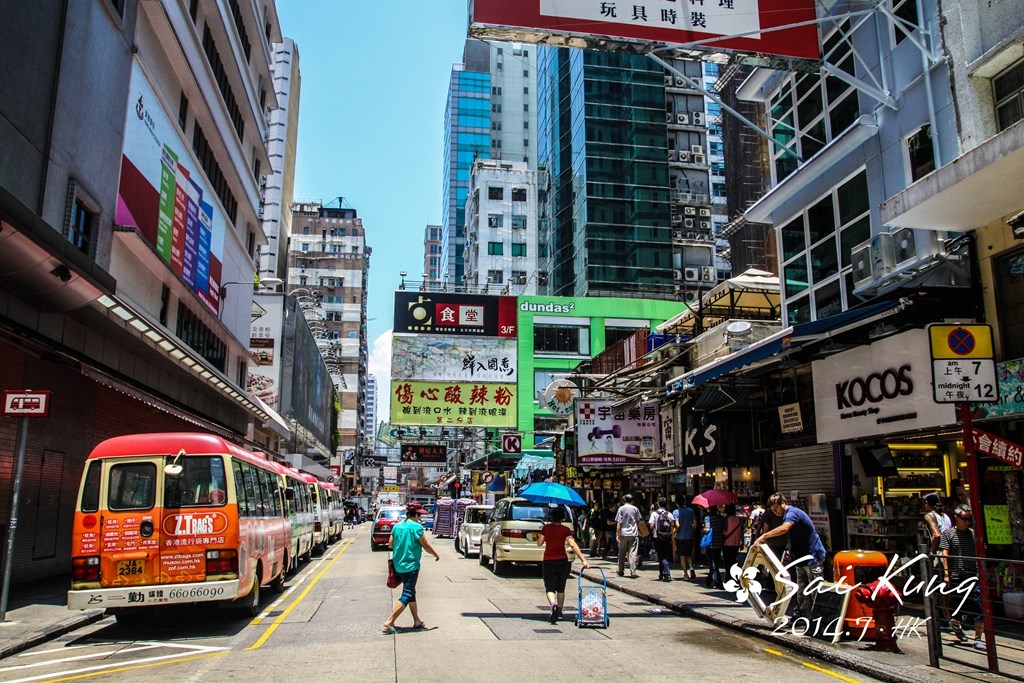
(78, 658)
(299, 580)
(280, 619)
(87, 672)
(830, 673)
(773, 652)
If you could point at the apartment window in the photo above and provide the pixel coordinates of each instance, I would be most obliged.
(495, 248)
(213, 172)
(1008, 88)
(496, 90)
(192, 331)
(526, 107)
(921, 153)
(526, 73)
(1010, 301)
(518, 222)
(907, 11)
(519, 194)
(83, 222)
(182, 112)
(526, 125)
(495, 277)
(518, 277)
(526, 90)
(223, 83)
(495, 193)
(519, 249)
(526, 142)
(495, 125)
(193, 11)
(243, 36)
(500, 66)
(496, 108)
(494, 220)
(561, 339)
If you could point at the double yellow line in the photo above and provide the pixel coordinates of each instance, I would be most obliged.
(284, 615)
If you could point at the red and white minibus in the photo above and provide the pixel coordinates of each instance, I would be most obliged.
(178, 518)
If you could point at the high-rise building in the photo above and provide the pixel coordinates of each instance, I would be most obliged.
(432, 253)
(279, 183)
(370, 421)
(606, 215)
(490, 114)
(501, 227)
(328, 265)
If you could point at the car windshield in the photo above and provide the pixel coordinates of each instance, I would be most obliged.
(476, 516)
(535, 512)
(391, 514)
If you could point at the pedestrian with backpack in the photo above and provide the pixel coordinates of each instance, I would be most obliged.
(733, 537)
(663, 528)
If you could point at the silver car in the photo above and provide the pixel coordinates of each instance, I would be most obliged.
(467, 541)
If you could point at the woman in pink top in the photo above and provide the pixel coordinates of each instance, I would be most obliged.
(733, 537)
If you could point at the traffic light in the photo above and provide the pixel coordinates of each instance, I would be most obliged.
(457, 486)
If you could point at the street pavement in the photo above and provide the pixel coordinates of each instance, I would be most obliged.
(327, 627)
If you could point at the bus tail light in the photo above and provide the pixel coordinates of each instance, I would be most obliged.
(318, 527)
(221, 561)
(513, 533)
(85, 568)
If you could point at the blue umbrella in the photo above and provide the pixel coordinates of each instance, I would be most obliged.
(551, 492)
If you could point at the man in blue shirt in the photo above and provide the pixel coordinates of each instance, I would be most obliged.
(684, 536)
(804, 542)
(407, 543)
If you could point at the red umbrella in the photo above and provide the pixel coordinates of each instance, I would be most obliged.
(715, 497)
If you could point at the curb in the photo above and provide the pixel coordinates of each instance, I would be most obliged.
(807, 646)
(33, 638)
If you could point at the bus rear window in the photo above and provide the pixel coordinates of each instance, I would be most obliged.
(201, 483)
(91, 488)
(132, 486)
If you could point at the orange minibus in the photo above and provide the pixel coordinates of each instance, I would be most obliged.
(300, 514)
(177, 518)
(330, 495)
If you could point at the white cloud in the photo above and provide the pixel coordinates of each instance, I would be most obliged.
(380, 367)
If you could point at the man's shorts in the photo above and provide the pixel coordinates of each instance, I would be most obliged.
(684, 547)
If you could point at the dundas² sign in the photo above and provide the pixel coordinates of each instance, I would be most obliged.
(875, 389)
(755, 26)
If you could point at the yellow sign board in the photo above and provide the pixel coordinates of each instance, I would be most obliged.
(453, 403)
(961, 341)
(390, 488)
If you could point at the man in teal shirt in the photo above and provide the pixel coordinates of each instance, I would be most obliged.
(407, 543)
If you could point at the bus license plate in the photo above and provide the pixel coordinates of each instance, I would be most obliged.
(131, 567)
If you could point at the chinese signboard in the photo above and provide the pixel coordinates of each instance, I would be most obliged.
(653, 21)
(616, 436)
(425, 454)
(163, 194)
(455, 314)
(453, 403)
(453, 359)
(997, 447)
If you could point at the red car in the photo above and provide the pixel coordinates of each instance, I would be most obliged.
(386, 518)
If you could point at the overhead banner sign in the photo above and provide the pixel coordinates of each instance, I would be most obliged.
(617, 436)
(265, 369)
(468, 315)
(877, 389)
(424, 455)
(754, 26)
(453, 403)
(453, 359)
(998, 447)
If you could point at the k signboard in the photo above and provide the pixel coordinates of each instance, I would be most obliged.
(469, 315)
(753, 26)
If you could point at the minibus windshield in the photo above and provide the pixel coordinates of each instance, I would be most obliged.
(201, 483)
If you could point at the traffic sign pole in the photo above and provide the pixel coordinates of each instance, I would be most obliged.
(13, 526)
(979, 534)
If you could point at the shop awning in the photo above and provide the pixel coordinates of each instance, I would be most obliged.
(758, 351)
(276, 423)
(754, 295)
(847, 320)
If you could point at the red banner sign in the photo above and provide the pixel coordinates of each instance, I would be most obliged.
(998, 447)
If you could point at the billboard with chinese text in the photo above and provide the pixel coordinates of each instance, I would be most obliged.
(750, 26)
(470, 315)
(264, 379)
(163, 194)
(453, 403)
(453, 359)
(424, 455)
(624, 435)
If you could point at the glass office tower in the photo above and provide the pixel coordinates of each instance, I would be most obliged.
(602, 138)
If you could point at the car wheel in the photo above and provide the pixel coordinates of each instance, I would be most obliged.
(482, 558)
(498, 567)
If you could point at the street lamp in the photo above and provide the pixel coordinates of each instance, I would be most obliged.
(402, 274)
(268, 282)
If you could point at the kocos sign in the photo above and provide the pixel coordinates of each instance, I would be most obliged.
(877, 389)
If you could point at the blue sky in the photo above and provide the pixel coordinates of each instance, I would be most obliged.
(371, 126)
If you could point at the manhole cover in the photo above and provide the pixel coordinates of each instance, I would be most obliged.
(546, 630)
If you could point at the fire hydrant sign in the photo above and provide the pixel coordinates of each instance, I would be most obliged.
(963, 366)
(26, 403)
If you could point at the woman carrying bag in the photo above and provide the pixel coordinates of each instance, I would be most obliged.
(733, 537)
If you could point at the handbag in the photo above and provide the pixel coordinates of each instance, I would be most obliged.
(394, 581)
(705, 540)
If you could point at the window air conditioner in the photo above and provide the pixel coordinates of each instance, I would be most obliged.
(861, 260)
(689, 211)
(691, 274)
(911, 246)
(697, 149)
(708, 273)
(684, 157)
(688, 222)
(705, 225)
(697, 158)
(678, 274)
(698, 118)
(683, 119)
(679, 82)
(669, 118)
(705, 213)
(668, 80)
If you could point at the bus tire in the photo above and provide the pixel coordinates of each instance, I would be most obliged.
(277, 585)
(131, 616)
(251, 603)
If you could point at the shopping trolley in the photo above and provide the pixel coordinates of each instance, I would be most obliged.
(592, 608)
